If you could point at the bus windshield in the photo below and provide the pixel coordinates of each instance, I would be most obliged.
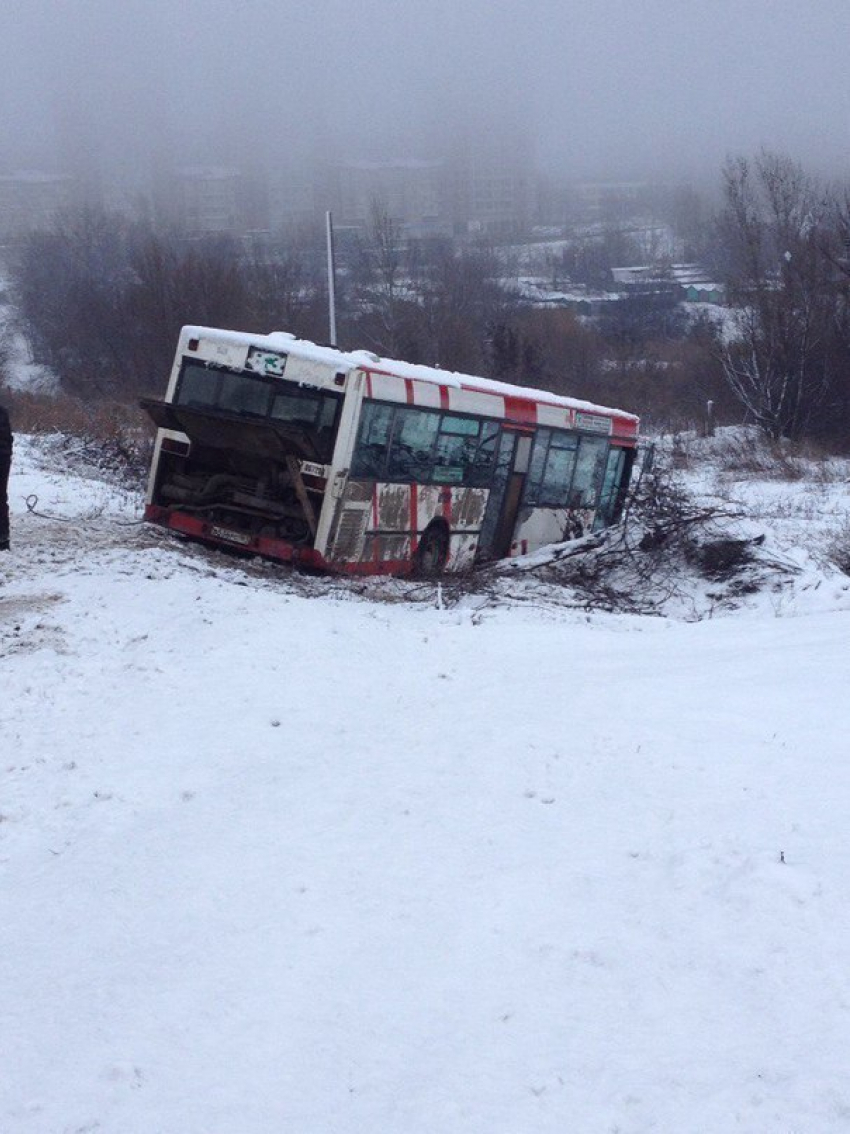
(248, 395)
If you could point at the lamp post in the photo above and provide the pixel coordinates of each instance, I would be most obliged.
(329, 232)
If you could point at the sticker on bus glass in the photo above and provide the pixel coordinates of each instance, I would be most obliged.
(266, 362)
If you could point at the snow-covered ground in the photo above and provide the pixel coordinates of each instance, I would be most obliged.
(281, 854)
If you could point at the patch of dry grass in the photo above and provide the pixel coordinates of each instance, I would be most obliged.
(117, 437)
(838, 547)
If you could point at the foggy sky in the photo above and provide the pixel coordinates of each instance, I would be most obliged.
(604, 88)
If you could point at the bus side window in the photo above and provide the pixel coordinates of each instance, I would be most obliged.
(589, 470)
(371, 450)
(537, 465)
(481, 468)
(457, 443)
(560, 462)
(610, 488)
(551, 470)
(412, 445)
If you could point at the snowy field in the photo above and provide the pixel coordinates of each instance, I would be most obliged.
(288, 856)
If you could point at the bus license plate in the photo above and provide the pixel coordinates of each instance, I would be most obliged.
(230, 536)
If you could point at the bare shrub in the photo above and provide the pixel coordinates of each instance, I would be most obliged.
(721, 558)
(5, 352)
(838, 548)
(112, 437)
(671, 552)
(745, 455)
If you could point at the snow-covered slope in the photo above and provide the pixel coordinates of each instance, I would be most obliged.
(17, 371)
(277, 856)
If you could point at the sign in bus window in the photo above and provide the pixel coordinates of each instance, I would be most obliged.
(266, 362)
(453, 455)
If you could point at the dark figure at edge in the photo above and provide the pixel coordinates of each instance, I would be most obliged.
(5, 463)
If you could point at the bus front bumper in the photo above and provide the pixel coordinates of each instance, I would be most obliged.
(221, 536)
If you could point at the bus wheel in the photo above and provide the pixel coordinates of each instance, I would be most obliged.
(432, 551)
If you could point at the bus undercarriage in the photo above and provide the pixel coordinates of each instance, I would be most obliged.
(240, 481)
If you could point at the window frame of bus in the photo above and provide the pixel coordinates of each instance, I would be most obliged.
(538, 468)
(276, 386)
(395, 416)
(611, 493)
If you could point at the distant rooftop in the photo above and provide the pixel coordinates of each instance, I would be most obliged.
(208, 172)
(34, 177)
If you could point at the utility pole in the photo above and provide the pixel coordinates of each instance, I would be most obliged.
(329, 227)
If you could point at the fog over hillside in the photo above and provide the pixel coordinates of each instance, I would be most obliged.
(612, 89)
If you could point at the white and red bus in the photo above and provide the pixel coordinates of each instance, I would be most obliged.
(352, 463)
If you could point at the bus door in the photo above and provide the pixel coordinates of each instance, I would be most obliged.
(500, 516)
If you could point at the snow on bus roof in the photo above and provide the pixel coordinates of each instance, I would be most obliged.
(365, 360)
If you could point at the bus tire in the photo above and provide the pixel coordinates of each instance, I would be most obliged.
(432, 551)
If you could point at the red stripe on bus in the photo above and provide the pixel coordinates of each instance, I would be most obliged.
(259, 545)
(414, 518)
(520, 409)
(383, 373)
(625, 427)
(384, 567)
(444, 397)
(408, 389)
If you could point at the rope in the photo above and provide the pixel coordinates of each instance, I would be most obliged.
(31, 502)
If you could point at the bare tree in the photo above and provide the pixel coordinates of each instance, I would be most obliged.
(386, 305)
(464, 304)
(779, 359)
(283, 295)
(68, 283)
(173, 282)
(101, 300)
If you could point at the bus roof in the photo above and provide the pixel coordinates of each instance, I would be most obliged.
(364, 360)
